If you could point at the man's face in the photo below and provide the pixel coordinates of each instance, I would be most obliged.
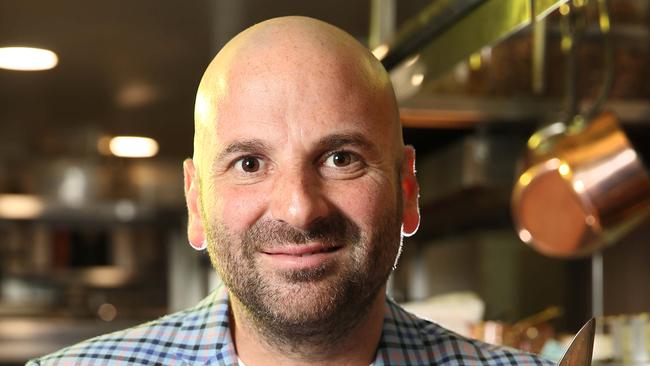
(300, 197)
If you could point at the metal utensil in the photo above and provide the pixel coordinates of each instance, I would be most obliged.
(581, 348)
(586, 191)
(582, 184)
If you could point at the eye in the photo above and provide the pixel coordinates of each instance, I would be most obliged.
(249, 164)
(340, 159)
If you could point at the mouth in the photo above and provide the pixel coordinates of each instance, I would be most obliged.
(301, 256)
(302, 250)
(324, 250)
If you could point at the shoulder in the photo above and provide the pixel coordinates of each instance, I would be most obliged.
(171, 339)
(428, 343)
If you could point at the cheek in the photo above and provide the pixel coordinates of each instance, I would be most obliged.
(238, 207)
(365, 202)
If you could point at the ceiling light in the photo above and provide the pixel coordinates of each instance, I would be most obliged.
(27, 58)
(20, 206)
(133, 147)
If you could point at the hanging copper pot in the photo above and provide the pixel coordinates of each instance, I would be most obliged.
(580, 190)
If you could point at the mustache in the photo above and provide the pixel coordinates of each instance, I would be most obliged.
(333, 230)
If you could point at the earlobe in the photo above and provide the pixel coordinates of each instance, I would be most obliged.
(195, 230)
(410, 194)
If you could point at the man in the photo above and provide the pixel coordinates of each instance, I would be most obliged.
(301, 189)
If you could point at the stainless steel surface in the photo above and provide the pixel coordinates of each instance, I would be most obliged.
(82, 189)
(505, 86)
(448, 31)
(383, 16)
(489, 23)
(445, 111)
(580, 190)
(429, 24)
(581, 348)
(597, 285)
(474, 161)
(467, 184)
(538, 64)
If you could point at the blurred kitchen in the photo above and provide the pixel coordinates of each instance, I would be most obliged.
(515, 107)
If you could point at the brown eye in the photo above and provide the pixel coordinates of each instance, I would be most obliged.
(249, 164)
(341, 159)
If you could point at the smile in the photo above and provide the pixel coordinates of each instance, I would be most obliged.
(302, 250)
(300, 256)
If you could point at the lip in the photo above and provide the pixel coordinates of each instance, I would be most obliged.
(300, 250)
(300, 256)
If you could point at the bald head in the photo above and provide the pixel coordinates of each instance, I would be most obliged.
(297, 132)
(292, 53)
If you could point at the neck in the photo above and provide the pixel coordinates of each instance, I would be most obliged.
(356, 347)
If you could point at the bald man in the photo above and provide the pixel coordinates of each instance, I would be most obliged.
(300, 189)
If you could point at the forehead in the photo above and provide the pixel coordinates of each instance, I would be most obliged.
(305, 97)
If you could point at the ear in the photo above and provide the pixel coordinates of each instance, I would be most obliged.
(410, 194)
(195, 231)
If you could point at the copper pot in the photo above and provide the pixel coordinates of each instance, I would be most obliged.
(580, 189)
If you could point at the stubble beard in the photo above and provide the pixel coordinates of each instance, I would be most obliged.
(308, 309)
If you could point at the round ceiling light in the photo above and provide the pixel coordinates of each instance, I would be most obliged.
(27, 58)
(133, 147)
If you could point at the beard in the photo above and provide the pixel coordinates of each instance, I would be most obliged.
(318, 306)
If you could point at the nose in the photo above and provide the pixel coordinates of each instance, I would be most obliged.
(298, 199)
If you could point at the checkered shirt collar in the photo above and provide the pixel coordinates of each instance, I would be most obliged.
(400, 338)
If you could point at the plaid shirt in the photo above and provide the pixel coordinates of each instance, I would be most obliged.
(201, 336)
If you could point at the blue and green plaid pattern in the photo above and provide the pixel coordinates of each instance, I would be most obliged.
(201, 336)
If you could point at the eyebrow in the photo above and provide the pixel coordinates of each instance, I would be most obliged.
(330, 142)
(245, 146)
(337, 141)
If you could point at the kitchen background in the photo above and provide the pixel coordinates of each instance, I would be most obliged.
(91, 241)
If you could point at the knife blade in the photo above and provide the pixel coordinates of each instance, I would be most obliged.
(581, 348)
